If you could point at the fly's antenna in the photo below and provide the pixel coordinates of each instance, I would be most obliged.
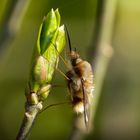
(68, 37)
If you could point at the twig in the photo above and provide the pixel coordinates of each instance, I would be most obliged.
(103, 56)
(104, 51)
(28, 121)
(44, 62)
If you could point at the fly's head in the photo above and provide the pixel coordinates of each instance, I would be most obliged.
(75, 58)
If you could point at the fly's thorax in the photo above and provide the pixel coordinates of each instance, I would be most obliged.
(74, 82)
(84, 70)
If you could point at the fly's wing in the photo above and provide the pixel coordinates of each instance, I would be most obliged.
(85, 103)
(70, 90)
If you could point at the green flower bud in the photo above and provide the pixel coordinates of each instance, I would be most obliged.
(58, 18)
(44, 92)
(60, 40)
(33, 99)
(53, 52)
(48, 30)
(50, 43)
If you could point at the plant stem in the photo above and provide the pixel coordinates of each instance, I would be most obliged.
(44, 62)
(104, 50)
(103, 56)
(28, 121)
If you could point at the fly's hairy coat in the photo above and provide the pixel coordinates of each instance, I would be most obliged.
(80, 83)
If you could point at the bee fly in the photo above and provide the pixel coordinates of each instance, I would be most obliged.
(80, 83)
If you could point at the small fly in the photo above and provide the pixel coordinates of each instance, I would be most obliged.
(80, 83)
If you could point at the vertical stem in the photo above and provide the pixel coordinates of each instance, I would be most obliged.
(28, 121)
(104, 50)
(104, 53)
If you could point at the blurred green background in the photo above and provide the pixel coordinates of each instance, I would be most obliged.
(118, 114)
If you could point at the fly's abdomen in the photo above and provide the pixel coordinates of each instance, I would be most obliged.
(74, 85)
(77, 102)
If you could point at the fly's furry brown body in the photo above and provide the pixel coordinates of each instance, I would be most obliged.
(80, 84)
